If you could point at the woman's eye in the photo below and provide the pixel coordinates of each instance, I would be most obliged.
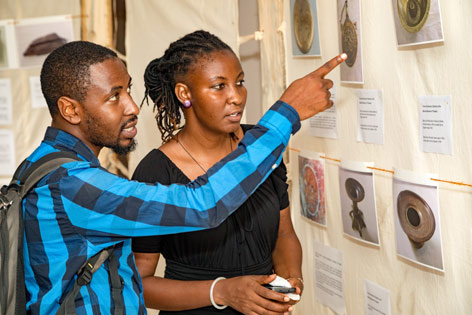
(241, 82)
(114, 97)
(219, 86)
(129, 89)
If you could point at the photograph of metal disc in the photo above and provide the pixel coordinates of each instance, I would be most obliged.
(303, 25)
(417, 219)
(413, 14)
(417, 22)
(305, 32)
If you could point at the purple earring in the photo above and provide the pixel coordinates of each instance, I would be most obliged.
(187, 103)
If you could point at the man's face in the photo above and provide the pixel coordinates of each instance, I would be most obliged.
(109, 113)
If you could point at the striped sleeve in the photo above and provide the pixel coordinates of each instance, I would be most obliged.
(99, 202)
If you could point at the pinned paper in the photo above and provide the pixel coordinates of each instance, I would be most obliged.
(5, 102)
(37, 98)
(377, 299)
(370, 116)
(329, 285)
(435, 124)
(7, 153)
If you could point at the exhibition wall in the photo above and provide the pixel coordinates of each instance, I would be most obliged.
(28, 122)
(402, 74)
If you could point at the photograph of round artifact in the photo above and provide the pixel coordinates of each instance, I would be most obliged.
(311, 185)
(358, 208)
(37, 37)
(7, 44)
(417, 225)
(3, 48)
(349, 25)
(417, 22)
(305, 32)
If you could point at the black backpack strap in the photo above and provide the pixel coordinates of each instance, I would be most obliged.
(44, 166)
(20, 186)
(116, 286)
(84, 276)
(28, 180)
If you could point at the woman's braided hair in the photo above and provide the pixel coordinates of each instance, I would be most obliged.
(161, 76)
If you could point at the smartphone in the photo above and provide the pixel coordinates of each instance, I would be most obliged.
(279, 289)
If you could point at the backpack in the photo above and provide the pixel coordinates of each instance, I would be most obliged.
(12, 277)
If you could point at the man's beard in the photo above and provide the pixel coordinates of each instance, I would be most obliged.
(96, 133)
(124, 150)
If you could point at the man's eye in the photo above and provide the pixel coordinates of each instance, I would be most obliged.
(219, 86)
(129, 89)
(114, 97)
(241, 82)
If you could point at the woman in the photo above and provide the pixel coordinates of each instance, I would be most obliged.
(200, 75)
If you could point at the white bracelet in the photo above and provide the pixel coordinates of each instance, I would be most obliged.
(219, 307)
(299, 279)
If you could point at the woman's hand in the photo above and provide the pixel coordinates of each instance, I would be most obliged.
(247, 295)
(298, 284)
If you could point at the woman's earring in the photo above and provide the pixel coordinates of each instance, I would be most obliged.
(187, 103)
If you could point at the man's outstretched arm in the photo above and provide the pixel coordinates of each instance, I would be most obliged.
(125, 208)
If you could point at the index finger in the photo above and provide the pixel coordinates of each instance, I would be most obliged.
(330, 65)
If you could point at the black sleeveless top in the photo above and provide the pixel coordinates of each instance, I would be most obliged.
(241, 245)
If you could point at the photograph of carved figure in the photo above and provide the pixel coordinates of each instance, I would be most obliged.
(358, 209)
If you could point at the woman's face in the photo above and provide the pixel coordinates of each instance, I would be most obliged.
(217, 92)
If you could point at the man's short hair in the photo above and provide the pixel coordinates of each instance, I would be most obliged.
(66, 71)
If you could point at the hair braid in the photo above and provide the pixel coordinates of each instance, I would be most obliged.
(161, 76)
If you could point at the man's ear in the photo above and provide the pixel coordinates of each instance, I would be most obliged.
(69, 110)
(182, 92)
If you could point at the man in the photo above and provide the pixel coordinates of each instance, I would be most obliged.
(80, 209)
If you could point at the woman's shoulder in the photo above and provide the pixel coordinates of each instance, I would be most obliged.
(152, 167)
(154, 156)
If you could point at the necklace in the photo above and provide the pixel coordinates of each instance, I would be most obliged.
(191, 156)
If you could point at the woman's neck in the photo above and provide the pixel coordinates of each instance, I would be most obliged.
(205, 142)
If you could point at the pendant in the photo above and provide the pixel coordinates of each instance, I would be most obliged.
(349, 38)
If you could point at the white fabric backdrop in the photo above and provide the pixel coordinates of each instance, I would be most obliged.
(151, 27)
(402, 74)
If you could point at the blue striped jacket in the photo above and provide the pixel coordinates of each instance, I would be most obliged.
(81, 208)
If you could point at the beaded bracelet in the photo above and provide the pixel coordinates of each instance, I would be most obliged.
(219, 307)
